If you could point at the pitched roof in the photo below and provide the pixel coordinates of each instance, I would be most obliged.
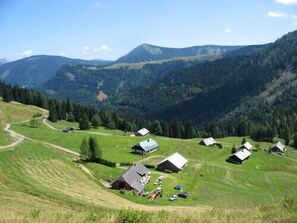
(148, 144)
(209, 141)
(134, 175)
(143, 132)
(246, 145)
(280, 146)
(67, 129)
(241, 154)
(176, 159)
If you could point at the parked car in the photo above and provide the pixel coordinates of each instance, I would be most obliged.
(173, 197)
(183, 194)
(177, 187)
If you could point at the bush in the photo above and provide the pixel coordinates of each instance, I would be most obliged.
(149, 166)
(105, 162)
(220, 145)
(125, 164)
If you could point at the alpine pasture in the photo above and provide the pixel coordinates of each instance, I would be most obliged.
(42, 183)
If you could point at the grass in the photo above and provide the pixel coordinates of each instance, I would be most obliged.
(208, 178)
(14, 112)
(40, 184)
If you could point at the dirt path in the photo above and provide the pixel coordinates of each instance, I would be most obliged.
(48, 125)
(53, 128)
(17, 137)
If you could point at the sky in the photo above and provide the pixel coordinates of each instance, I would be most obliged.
(108, 29)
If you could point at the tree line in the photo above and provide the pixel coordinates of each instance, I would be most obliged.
(264, 125)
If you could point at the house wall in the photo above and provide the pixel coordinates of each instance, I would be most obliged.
(276, 150)
(235, 159)
(167, 165)
(139, 150)
(120, 184)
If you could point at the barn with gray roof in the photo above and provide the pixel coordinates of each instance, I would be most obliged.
(278, 148)
(145, 147)
(134, 178)
(240, 156)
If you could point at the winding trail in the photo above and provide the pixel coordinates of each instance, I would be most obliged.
(48, 125)
(20, 138)
(16, 136)
(89, 132)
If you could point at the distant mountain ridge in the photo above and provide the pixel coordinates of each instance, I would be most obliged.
(33, 71)
(146, 52)
(3, 61)
(243, 83)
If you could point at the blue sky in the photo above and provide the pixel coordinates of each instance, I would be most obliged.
(108, 29)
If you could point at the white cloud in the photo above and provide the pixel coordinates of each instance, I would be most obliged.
(279, 15)
(228, 30)
(27, 53)
(103, 47)
(85, 50)
(287, 2)
(294, 17)
(62, 54)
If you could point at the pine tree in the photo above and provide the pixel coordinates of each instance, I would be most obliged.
(190, 131)
(84, 122)
(7, 94)
(243, 141)
(233, 150)
(295, 141)
(96, 152)
(156, 128)
(165, 127)
(53, 117)
(70, 117)
(96, 122)
(85, 152)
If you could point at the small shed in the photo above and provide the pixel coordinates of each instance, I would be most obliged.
(208, 142)
(68, 129)
(142, 132)
(145, 147)
(246, 145)
(278, 148)
(174, 163)
(240, 156)
(134, 178)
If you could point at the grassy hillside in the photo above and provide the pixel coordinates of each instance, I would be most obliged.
(39, 183)
(15, 112)
(259, 180)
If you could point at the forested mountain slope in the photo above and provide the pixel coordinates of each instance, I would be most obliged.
(86, 84)
(146, 52)
(229, 86)
(33, 71)
(93, 84)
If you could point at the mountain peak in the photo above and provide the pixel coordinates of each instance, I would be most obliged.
(146, 52)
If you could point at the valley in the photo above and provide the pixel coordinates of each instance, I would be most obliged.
(38, 171)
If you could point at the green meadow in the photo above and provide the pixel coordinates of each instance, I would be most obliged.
(265, 178)
(39, 183)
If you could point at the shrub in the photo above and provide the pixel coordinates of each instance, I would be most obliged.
(149, 166)
(125, 164)
(105, 162)
(220, 145)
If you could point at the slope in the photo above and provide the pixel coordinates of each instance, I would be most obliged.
(92, 84)
(147, 52)
(41, 184)
(33, 71)
(208, 91)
